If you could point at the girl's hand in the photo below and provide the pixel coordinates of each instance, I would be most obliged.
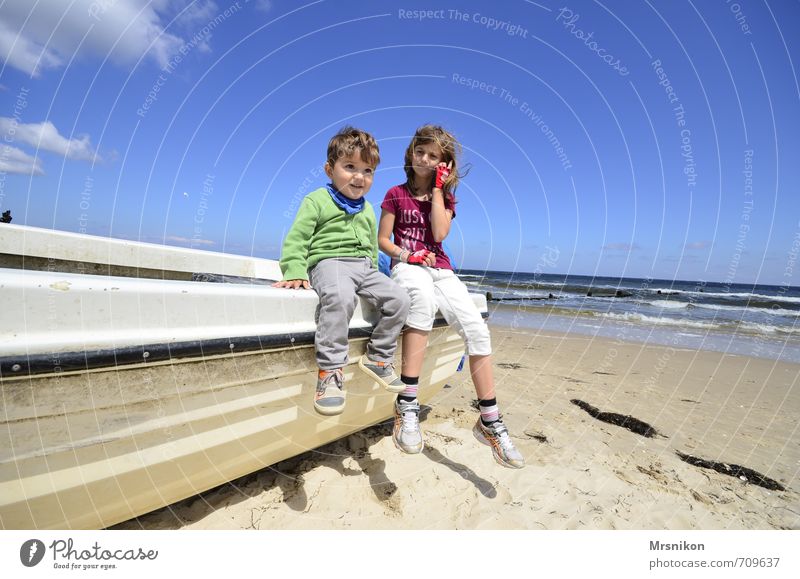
(430, 259)
(293, 284)
(442, 173)
(421, 257)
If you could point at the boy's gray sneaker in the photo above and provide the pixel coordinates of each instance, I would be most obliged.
(406, 433)
(382, 373)
(496, 436)
(329, 397)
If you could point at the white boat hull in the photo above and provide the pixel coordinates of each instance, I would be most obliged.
(123, 394)
(90, 449)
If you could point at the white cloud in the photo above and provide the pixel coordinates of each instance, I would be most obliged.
(13, 160)
(192, 241)
(35, 36)
(45, 136)
(621, 246)
(264, 5)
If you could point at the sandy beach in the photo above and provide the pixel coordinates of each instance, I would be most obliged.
(581, 473)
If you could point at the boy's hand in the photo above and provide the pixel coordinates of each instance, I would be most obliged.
(442, 173)
(422, 257)
(293, 284)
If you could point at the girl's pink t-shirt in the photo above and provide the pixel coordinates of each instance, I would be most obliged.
(412, 223)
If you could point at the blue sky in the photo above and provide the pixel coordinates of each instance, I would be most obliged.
(644, 139)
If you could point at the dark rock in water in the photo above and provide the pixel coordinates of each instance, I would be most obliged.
(623, 294)
(589, 293)
(633, 424)
(6, 218)
(741, 472)
(550, 296)
(488, 296)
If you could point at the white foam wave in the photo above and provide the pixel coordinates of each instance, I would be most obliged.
(664, 290)
(776, 312)
(749, 296)
(683, 323)
(641, 318)
(668, 304)
(767, 329)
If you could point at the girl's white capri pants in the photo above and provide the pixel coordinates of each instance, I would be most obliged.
(431, 289)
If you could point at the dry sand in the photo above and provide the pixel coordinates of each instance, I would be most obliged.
(581, 473)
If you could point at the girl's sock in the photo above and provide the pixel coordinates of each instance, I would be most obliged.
(410, 393)
(489, 411)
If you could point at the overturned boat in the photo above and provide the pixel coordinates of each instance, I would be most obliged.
(134, 375)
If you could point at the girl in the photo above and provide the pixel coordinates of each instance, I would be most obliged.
(418, 213)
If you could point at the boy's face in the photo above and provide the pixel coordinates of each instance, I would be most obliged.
(351, 175)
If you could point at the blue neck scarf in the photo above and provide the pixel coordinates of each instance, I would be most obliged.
(349, 206)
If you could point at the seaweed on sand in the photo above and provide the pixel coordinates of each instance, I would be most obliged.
(633, 424)
(741, 472)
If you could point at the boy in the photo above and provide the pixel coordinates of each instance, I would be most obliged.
(333, 244)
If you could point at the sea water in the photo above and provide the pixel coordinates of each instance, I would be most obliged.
(753, 320)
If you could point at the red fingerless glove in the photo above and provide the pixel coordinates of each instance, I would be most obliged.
(418, 257)
(442, 172)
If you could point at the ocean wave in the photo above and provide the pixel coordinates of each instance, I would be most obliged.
(661, 291)
(756, 309)
(728, 325)
(745, 296)
(667, 304)
(659, 321)
(767, 329)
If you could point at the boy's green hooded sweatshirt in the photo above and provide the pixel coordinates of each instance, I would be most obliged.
(321, 230)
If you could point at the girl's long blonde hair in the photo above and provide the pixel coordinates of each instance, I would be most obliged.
(451, 152)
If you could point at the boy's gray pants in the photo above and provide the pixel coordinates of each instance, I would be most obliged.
(338, 283)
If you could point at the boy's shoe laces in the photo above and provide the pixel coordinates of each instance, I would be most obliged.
(409, 411)
(406, 432)
(496, 435)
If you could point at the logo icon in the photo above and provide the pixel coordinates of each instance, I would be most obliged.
(31, 552)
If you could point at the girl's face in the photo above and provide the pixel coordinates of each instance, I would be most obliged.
(425, 157)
